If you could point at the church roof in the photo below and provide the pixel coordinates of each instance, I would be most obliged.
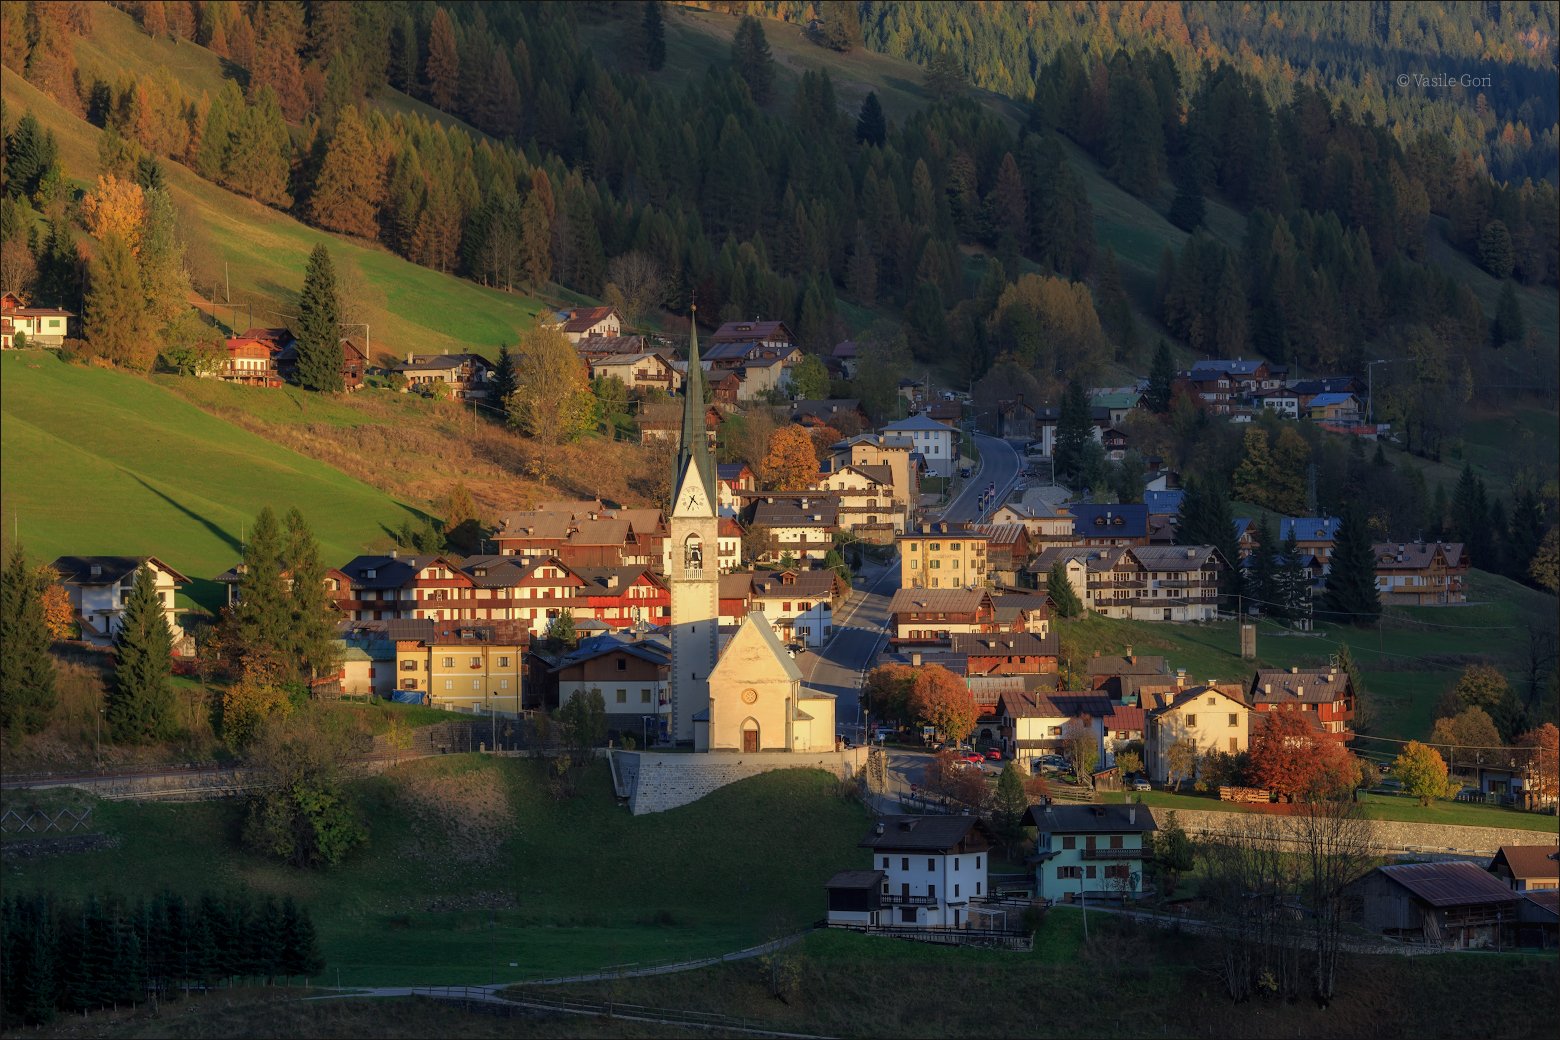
(694, 447)
(771, 642)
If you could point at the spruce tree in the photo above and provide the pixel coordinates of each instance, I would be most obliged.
(27, 693)
(1261, 576)
(312, 614)
(654, 36)
(1350, 593)
(1292, 584)
(1064, 599)
(1161, 377)
(319, 325)
(1073, 429)
(505, 381)
(1188, 210)
(871, 124)
(261, 619)
(30, 151)
(753, 60)
(140, 702)
(1206, 519)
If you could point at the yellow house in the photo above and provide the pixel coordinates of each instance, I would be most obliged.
(757, 701)
(1213, 718)
(876, 449)
(473, 667)
(942, 557)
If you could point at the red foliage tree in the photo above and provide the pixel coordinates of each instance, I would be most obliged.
(1291, 757)
(943, 701)
(1543, 765)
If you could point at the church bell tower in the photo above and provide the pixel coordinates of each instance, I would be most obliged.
(694, 528)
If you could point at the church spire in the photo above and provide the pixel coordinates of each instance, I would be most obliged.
(694, 447)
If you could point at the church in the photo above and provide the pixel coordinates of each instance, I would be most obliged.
(749, 698)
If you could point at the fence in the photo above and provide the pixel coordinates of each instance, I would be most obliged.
(40, 822)
(987, 938)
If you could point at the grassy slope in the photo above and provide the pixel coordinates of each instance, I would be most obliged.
(584, 884)
(97, 461)
(1407, 662)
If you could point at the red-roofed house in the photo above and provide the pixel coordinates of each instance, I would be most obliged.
(250, 362)
(40, 326)
(591, 321)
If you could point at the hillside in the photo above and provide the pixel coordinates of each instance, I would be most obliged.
(97, 461)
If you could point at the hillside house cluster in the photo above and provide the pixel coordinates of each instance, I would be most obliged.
(268, 357)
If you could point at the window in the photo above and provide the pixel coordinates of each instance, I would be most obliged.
(449, 684)
(1118, 870)
(1234, 719)
(977, 888)
(503, 684)
(1069, 842)
(1088, 871)
(956, 863)
(977, 862)
(1191, 721)
(449, 662)
(1115, 841)
(1212, 701)
(1234, 744)
(476, 662)
(1065, 873)
(622, 664)
(956, 891)
(644, 696)
(904, 864)
(931, 891)
(476, 685)
(931, 865)
(885, 862)
(907, 914)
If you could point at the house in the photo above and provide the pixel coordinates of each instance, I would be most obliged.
(631, 670)
(774, 334)
(949, 413)
(249, 362)
(354, 363)
(1119, 677)
(1045, 525)
(1090, 850)
(464, 665)
(1457, 905)
(1212, 718)
(1341, 408)
(767, 373)
(664, 423)
(98, 587)
(734, 478)
(867, 506)
(1313, 535)
(874, 450)
(639, 372)
(1007, 549)
(1245, 377)
(1109, 525)
(831, 411)
(1528, 868)
(942, 556)
(590, 322)
(466, 375)
(1326, 693)
(1116, 403)
(1421, 574)
(1144, 583)
(1016, 419)
(368, 657)
(1214, 391)
(728, 546)
(1033, 723)
(855, 897)
(595, 348)
(931, 616)
(1046, 421)
(1281, 401)
(912, 392)
(800, 604)
(844, 358)
(801, 526)
(1007, 653)
(1164, 503)
(934, 868)
(1122, 726)
(937, 443)
(38, 326)
(1306, 390)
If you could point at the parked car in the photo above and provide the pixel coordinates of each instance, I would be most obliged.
(994, 754)
(965, 471)
(795, 649)
(1142, 785)
(1391, 785)
(974, 757)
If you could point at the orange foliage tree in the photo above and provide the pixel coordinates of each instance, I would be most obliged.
(115, 207)
(823, 436)
(1292, 758)
(791, 461)
(1543, 760)
(943, 702)
(59, 617)
(889, 693)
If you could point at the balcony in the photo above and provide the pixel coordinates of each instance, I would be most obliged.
(903, 900)
(1115, 854)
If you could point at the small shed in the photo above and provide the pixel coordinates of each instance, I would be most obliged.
(855, 896)
(1458, 905)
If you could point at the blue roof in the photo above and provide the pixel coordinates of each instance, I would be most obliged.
(1309, 528)
(1113, 521)
(1326, 399)
(1238, 367)
(1166, 503)
(1241, 524)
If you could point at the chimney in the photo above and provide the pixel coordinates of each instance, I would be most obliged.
(1299, 691)
(915, 659)
(1132, 814)
(1129, 653)
(408, 357)
(1267, 687)
(395, 554)
(880, 829)
(1294, 670)
(1191, 554)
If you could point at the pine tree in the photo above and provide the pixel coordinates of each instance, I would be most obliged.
(319, 326)
(504, 380)
(27, 693)
(753, 60)
(1160, 379)
(118, 326)
(1261, 578)
(260, 620)
(1073, 429)
(312, 614)
(1063, 597)
(140, 702)
(1350, 593)
(443, 69)
(871, 124)
(654, 36)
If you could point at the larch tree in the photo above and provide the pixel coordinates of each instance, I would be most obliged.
(1422, 771)
(553, 403)
(319, 326)
(115, 207)
(349, 187)
(944, 702)
(443, 68)
(653, 36)
(791, 460)
(118, 326)
(140, 700)
(164, 277)
(27, 694)
(311, 644)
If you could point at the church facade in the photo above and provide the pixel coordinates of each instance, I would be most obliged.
(751, 698)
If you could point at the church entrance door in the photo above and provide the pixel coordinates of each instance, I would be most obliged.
(750, 740)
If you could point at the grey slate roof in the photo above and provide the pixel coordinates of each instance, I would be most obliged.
(1091, 819)
(938, 834)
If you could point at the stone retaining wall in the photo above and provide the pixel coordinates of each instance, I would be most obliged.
(1386, 835)
(664, 780)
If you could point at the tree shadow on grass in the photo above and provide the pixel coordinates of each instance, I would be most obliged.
(220, 532)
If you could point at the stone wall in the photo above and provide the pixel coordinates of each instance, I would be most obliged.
(1386, 835)
(665, 780)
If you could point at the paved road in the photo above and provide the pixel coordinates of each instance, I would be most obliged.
(999, 466)
(859, 632)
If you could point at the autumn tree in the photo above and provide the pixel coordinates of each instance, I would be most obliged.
(553, 403)
(943, 702)
(59, 615)
(637, 285)
(790, 460)
(1485, 687)
(1293, 759)
(1542, 748)
(165, 276)
(118, 326)
(349, 187)
(115, 207)
(753, 60)
(140, 701)
(254, 697)
(1466, 736)
(1182, 759)
(443, 68)
(319, 325)
(889, 693)
(1081, 748)
(1545, 568)
(1422, 771)
(26, 670)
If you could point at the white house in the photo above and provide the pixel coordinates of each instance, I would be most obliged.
(99, 585)
(937, 443)
(933, 868)
(1282, 401)
(1090, 850)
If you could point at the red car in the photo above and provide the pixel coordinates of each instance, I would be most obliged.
(975, 758)
(993, 754)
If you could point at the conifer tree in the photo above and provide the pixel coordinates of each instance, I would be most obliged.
(1350, 593)
(753, 60)
(118, 327)
(140, 701)
(27, 694)
(260, 619)
(1073, 429)
(1508, 326)
(1207, 519)
(504, 380)
(654, 28)
(1292, 585)
(319, 325)
(1261, 575)
(871, 124)
(1160, 379)
(311, 646)
(1064, 599)
(30, 151)
(443, 67)
(347, 189)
